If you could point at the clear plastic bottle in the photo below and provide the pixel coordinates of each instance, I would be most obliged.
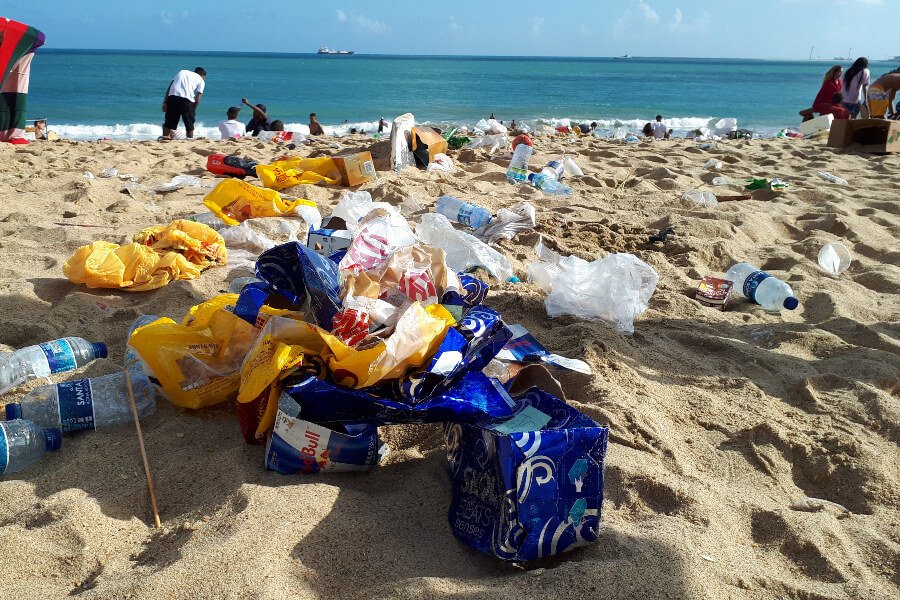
(57, 356)
(518, 166)
(832, 178)
(23, 443)
(207, 218)
(762, 288)
(554, 169)
(90, 403)
(549, 185)
(237, 285)
(463, 212)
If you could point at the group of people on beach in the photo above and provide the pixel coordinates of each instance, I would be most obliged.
(851, 94)
(183, 97)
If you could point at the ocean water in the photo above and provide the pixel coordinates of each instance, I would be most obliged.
(87, 94)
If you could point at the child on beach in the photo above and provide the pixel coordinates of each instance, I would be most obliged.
(315, 128)
(856, 80)
(259, 121)
(232, 128)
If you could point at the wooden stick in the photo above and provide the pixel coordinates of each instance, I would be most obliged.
(140, 436)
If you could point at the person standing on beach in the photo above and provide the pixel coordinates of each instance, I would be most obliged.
(315, 128)
(881, 95)
(381, 125)
(182, 99)
(856, 84)
(828, 100)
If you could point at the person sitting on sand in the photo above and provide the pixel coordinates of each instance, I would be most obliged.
(828, 100)
(276, 125)
(182, 99)
(259, 121)
(880, 96)
(648, 130)
(660, 131)
(315, 128)
(40, 130)
(232, 128)
(585, 129)
(856, 80)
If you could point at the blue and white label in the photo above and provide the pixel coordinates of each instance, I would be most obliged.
(60, 356)
(4, 448)
(752, 282)
(76, 405)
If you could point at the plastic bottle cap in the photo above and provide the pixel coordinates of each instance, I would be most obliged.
(13, 411)
(100, 349)
(52, 439)
(791, 303)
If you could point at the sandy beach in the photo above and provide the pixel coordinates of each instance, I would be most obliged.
(719, 421)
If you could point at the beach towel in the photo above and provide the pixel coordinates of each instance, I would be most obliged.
(17, 45)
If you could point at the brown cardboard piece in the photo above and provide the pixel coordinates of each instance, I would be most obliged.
(355, 169)
(426, 142)
(865, 135)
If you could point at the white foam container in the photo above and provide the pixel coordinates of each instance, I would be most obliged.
(816, 125)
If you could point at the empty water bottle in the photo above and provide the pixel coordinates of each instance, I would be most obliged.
(57, 356)
(701, 197)
(463, 212)
(554, 169)
(23, 443)
(207, 218)
(762, 288)
(90, 403)
(518, 166)
(832, 178)
(549, 185)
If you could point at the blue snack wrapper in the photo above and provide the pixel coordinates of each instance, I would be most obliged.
(524, 347)
(522, 494)
(473, 399)
(297, 446)
(297, 273)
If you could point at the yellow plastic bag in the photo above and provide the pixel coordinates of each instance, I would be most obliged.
(198, 363)
(158, 255)
(287, 173)
(234, 201)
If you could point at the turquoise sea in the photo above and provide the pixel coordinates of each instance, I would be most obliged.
(92, 93)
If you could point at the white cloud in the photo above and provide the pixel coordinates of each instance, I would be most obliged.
(537, 26)
(341, 15)
(650, 15)
(365, 24)
(698, 24)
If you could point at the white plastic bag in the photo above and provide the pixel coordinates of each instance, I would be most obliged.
(571, 169)
(508, 223)
(353, 206)
(464, 251)
(724, 126)
(701, 197)
(441, 162)
(401, 155)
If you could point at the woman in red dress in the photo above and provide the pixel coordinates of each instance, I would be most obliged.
(828, 101)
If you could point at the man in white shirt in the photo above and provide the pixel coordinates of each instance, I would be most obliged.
(182, 99)
(660, 130)
(232, 128)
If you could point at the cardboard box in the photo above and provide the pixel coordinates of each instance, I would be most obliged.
(426, 142)
(356, 169)
(330, 238)
(865, 135)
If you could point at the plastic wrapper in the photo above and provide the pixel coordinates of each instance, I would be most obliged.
(379, 235)
(615, 289)
(298, 446)
(289, 172)
(441, 162)
(464, 251)
(508, 223)
(235, 201)
(524, 348)
(258, 235)
(529, 487)
(493, 143)
(401, 131)
(198, 362)
(158, 255)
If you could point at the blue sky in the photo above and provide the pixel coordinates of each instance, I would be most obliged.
(721, 28)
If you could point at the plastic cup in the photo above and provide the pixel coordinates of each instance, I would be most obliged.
(834, 258)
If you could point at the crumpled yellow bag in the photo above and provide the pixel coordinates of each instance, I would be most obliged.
(198, 362)
(234, 201)
(158, 255)
(289, 172)
(285, 345)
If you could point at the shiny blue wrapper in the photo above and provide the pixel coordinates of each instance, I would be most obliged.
(522, 495)
(474, 398)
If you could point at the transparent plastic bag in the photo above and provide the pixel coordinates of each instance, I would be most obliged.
(464, 251)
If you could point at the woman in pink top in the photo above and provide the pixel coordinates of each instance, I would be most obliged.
(856, 79)
(828, 101)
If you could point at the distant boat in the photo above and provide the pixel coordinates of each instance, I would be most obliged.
(327, 50)
(623, 56)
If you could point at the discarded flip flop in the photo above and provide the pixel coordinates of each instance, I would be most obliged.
(662, 235)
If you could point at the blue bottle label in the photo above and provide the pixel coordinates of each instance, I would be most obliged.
(60, 356)
(465, 214)
(4, 449)
(76, 405)
(752, 282)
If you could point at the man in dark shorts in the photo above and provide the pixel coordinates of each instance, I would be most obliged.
(182, 99)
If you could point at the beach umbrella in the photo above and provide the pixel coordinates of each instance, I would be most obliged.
(17, 45)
